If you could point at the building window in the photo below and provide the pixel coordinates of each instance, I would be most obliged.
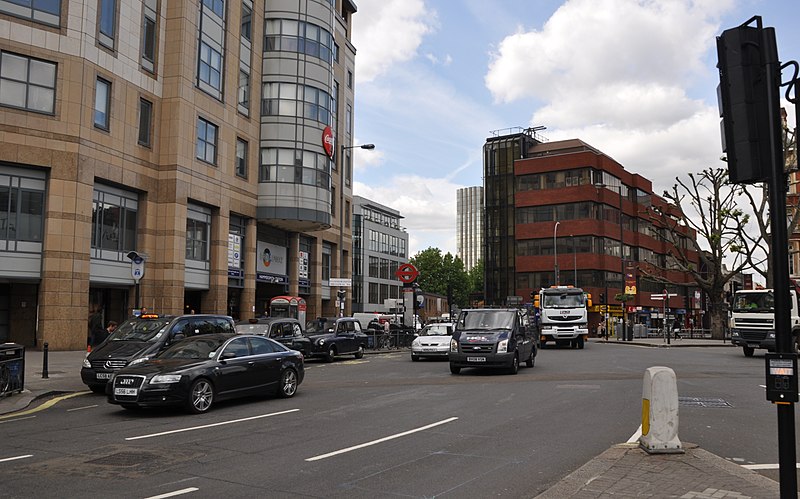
(210, 66)
(349, 78)
(145, 121)
(42, 11)
(107, 22)
(241, 158)
(247, 22)
(295, 166)
(289, 99)
(149, 35)
(296, 36)
(326, 262)
(348, 119)
(333, 200)
(102, 103)
(27, 83)
(244, 90)
(216, 6)
(347, 214)
(196, 240)
(114, 220)
(21, 209)
(206, 141)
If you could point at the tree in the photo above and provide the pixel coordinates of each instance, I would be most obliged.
(437, 272)
(717, 223)
(476, 277)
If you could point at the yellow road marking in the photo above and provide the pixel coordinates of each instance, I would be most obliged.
(50, 403)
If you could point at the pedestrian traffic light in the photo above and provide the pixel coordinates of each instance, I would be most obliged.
(749, 77)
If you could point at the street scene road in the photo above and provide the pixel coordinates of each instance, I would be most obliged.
(386, 426)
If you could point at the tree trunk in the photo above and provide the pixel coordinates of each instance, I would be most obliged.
(719, 318)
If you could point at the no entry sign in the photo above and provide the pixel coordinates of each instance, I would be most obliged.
(406, 273)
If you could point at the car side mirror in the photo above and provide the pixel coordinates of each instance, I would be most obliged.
(227, 355)
(178, 337)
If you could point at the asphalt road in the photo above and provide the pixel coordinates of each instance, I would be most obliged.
(384, 426)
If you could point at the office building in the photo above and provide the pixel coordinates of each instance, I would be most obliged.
(469, 225)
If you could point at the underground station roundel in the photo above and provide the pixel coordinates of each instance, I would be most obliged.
(328, 141)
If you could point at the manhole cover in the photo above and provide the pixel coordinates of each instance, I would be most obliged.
(124, 459)
(709, 402)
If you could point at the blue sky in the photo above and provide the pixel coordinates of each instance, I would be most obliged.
(633, 78)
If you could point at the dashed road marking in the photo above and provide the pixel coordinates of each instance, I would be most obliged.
(181, 430)
(15, 458)
(175, 493)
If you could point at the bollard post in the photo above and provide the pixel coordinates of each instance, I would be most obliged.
(44, 361)
(660, 412)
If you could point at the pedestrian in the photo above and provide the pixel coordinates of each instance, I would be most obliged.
(602, 331)
(95, 326)
(112, 326)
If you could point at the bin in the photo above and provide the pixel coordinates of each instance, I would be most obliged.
(12, 368)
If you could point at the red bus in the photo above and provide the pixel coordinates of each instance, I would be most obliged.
(288, 306)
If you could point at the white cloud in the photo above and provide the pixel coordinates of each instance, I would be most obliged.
(388, 32)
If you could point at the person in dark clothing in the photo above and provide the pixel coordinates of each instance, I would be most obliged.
(101, 337)
(95, 328)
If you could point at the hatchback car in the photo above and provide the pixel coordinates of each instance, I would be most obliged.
(197, 372)
(433, 341)
(284, 330)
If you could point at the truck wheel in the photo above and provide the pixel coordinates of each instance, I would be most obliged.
(748, 351)
(580, 342)
(454, 369)
(514, 369)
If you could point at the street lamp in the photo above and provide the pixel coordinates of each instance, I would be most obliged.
(555, 250)
(343, 292)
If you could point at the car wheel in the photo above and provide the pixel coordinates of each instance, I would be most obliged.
(201, 396)
(529, 362)
(101, 389)
(454, 369)
(414, 357)
(331, 354)
(748, 351)
(580, 342)
(360, 352)
(288, 383)
(514, 369)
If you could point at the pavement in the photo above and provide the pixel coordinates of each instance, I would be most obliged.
(623, 471)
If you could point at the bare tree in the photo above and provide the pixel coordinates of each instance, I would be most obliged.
(707, 205)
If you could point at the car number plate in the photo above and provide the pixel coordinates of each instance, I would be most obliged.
(126, 391)
(476, 359)
(103, 375)
(428, 349)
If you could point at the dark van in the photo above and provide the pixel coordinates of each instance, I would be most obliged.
(492, 338)
(140, 338)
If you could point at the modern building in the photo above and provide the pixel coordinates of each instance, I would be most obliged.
(203, 135)
(469, 225)
(565, 213)
(380, 246)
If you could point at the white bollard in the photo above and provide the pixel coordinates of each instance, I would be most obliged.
(660, 412)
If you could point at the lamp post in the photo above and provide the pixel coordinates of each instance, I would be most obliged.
(555, 250)
(343, 292)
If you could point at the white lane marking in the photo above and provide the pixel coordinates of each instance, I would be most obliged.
(15, 458)
(17, 419)
(765, 466)
(635, 437)
(82, 408)
(211, 425)
(176, 493)
(380, 440)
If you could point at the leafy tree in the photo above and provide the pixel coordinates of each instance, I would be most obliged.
(476, 277)
(437, 272)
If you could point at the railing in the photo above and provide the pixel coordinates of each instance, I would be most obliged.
(394, 339)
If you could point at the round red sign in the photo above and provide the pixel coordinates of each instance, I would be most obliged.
(328, 141)
(406, 273)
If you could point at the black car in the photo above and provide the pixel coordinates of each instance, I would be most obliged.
(139, 338)
(332, 337)
(284, 330)
(196, 372)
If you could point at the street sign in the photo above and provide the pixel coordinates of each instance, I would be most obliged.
(406, 273)
(660, 296)
(137, 268)
(340, 282)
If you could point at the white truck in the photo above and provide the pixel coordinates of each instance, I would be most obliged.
(563, 315)
(753, 320)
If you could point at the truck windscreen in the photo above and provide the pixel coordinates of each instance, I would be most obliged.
(754, 302)
(562, 300)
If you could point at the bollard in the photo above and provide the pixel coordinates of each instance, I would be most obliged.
(660, 412)
(44, 361)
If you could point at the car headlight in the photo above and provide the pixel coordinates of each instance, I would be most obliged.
(415, 343)
(138, 361)
(502, 346)
(320, 342)
(86, 363)
(453, 345)
(165, 379)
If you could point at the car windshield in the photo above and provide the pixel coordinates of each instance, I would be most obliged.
(562, 300)
(139, 330)
(200, 347)
(319, 326)
(262, 329)
(436, 330)
(754, 302)
(486, 319)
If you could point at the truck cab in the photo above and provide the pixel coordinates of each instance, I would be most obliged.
(563, 315)
(753, 320)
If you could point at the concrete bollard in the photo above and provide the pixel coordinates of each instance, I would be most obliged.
(660, 412)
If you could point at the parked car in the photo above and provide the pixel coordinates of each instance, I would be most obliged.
(284, 330)
(199, 371)
(492, 338)
(433, 341)
(331, 337)
(141, 338)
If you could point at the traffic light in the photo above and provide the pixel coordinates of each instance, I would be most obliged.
(749, 77)
(602, 298)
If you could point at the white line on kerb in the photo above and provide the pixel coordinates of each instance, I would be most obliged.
(15, 458)
(211, 425)
(384, 439)
(635, 437)
(176, 493)
(764, 466)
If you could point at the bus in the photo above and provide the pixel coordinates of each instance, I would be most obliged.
(288, 306)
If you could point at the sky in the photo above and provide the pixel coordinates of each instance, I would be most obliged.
(635, 79)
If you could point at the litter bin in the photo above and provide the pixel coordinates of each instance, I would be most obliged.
(12, 368)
